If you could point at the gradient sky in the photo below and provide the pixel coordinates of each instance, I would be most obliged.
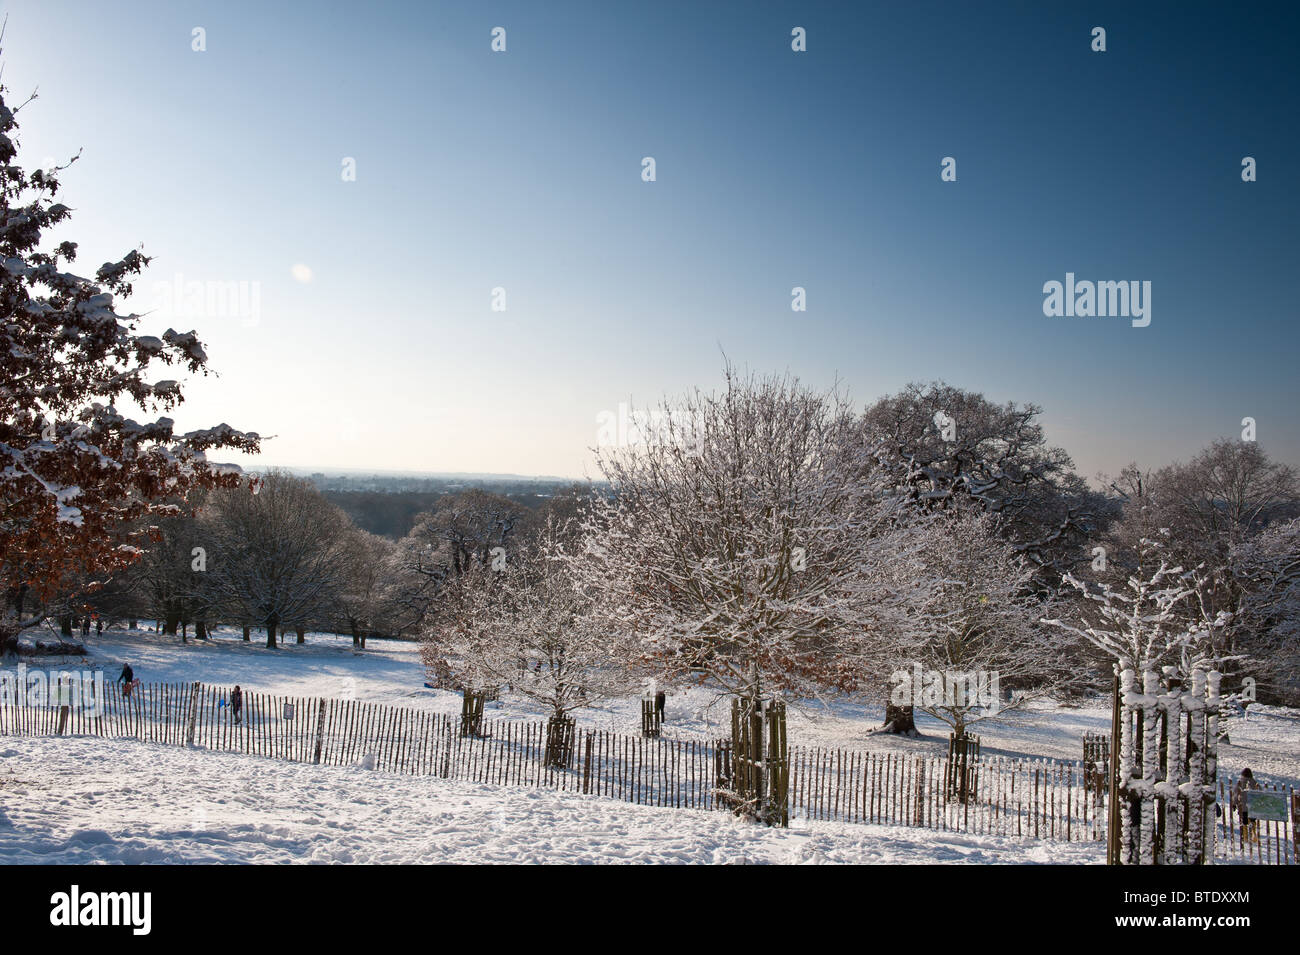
(775, 169)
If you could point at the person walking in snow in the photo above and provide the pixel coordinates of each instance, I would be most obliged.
(127, 679)
(237, 703)
(660, 699)
(1249, 830)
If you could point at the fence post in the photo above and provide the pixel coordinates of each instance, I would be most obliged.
(1295, 826)
(194, 713)
(320, 730)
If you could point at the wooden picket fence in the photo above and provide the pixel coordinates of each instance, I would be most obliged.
(1004, 796)
(1026, 798)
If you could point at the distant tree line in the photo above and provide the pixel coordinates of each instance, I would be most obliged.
(392, 514)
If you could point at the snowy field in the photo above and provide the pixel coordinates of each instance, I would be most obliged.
(92, 801)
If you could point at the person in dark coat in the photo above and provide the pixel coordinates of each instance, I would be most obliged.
(237, 703)
(127, 679)
(660, 699)
(1246, 782)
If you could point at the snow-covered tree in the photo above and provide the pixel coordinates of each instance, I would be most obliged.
(733, 538)
(1268, 568)
(464, 531)
(1147, 623)
(531, 624)
(948, 448)
(956, 620)
(1207, 512)
(79, 477)
(466, 527)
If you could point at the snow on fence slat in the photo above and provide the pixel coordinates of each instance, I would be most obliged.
(1003, 796)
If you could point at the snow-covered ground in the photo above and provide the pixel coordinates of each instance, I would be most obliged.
(90, 800)
(96, 801)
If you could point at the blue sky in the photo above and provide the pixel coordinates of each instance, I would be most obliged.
(775, 169)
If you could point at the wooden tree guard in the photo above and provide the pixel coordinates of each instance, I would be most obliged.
(759, 770)
(1163, 781)
(650, 720)
(1096, 748)
(722, 776)
(1096, 765)
(471, 713)
(962, 752)
(559, 742)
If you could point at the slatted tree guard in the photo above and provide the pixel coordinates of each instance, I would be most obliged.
(759, 770)
(651, 723)
(1096, 749)
(1167, 768)
(559, 742)
(1096, 769)
(963, 752)
(471, 713)
(722, 776)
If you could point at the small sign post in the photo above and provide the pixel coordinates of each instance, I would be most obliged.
(1266, 806)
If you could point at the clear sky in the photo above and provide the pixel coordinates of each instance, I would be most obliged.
(775, 169)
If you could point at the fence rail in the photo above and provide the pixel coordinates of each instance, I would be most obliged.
(1004, 796)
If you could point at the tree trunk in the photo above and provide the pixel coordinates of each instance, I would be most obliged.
(201, 629)
(900, 720)
(356, 634)
(302, 634)
(65, 625)
(132, 624)
(270, 634)
(170, 623)
(248, 633)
